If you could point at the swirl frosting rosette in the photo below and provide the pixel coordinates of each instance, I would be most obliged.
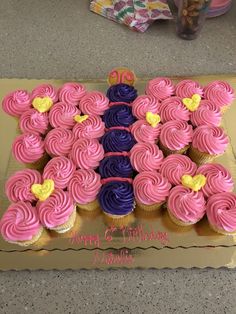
(71, 93)
(146, 157)
(60, 170)
(16, 102)
(218, 179)
(121, 92)
(143, 104)
(117, 140)
(160, 88)
(210, 139)
(59, 142)
(185, 205)
(45, 90)
(151, 187)
(208, 113)
(20, 223)
(87, 153)
(84, 186)
(33, 121)
(118, 115)
(28, 148)
(172, 108)
(62, 115)
(92, 127)
(220, 93)
(94, 103)
(116, 166)
(56, 209)
(175, 134)
(221, 212)
(143, 132)
(175, 166)
(18, 186)
(187, 88)
(116, 198)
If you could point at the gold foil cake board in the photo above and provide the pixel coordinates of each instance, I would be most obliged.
(150, 241)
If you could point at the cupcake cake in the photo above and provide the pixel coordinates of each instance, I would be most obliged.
(60, 170)
(16, 103)
(160, 88)
(84, 187)
(208, 113)
(87, 153)
(187, 88)
(221, 213)
(218, 179)
(208, 143)
(88, 127)
(20, 224)
(220, 93)
(62, 115)
(117, 139)
(175, 166)
(175, 137)
(57, 212)
(18, 186)
(121, 92)
(118, 115)
(146, 157)
(143, 104)
(172, 108)
(94, 103)
(33, 121)
(46, 92)
(71, 93)
(59, 142)
(151, 190)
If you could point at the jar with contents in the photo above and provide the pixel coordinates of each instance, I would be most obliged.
(191, 17)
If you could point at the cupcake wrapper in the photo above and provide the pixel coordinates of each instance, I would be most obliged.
(40, 164)
(166, 151)
(67, 225)
(118, 221)
(149, 208)
(29, 242)
(220, 231)
(179, 222)
(94, 205)
(199, 157)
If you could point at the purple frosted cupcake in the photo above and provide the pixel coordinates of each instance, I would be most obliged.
(122, 92)
(118, 115)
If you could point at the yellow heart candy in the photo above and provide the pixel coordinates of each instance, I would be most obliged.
(195, 183)
(153, 119)
(43, 191)
(192, 103)
(80, 119)
(42, 104)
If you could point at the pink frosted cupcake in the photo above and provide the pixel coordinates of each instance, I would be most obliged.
(208, 113)
(175, 137)
(160, 88)
(71, 93)
(185, 207)
(18, 186)
(16, 103)
(146, 157)
(218, 179)
(59, 142)
(20, 224)
(62, 115)
(151, 190)
(84, 187)
(45, 90)
(175, 166)
(143, 132)
(144, 103)
(208, 143)
(221, 213)
(187, 88)
(90, 127)
(60, 170)
(220, 93)
(28, 148)
(32, 121)
(57, 212)
(94, 103)
(87, 153)
(172, 108)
